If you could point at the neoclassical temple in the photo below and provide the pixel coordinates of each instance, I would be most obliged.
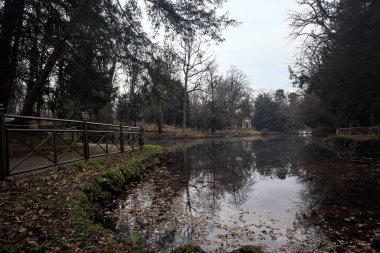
(247, 123)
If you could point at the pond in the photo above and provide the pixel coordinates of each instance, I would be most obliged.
(286, 194)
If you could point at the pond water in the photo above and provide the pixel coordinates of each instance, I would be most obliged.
(286, 194)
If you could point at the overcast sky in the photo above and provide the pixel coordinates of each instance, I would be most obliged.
(260, 46)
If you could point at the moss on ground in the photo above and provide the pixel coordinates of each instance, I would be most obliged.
(188, 249)
(60, 211)
(197, 249)
(249, 249)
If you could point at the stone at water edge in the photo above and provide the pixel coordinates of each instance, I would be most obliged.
(249, 249)
(188, 249)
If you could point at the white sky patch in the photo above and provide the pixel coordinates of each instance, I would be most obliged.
(260, 46)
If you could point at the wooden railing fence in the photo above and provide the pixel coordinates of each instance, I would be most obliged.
(35, 143)
(359, 131)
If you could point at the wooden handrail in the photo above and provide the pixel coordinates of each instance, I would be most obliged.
(358, 131)
(110, 138)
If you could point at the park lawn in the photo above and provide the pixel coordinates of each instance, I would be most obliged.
(172, 132)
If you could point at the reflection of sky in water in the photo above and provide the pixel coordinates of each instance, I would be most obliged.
(221, 195)
(265, 216)
(274, 195)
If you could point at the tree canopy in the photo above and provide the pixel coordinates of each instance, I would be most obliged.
(53, 52)
(340, 59)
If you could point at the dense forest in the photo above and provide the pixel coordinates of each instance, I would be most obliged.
(98, 58)
(338, 67)
(66, 58)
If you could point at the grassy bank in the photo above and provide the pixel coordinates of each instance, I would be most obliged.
(362, 145)
(171, 132)
(196, 249)
(60, 211)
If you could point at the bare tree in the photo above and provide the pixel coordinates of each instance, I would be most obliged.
(213, 80)
(225, 94)
(233, 90)
(314, 23)
(194, 63)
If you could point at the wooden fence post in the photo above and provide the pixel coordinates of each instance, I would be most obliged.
(121, 138)
(85, 140)
(4, 170)
(55, 143)
(141, 138)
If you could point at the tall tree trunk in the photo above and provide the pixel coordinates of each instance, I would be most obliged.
(212, 121)
(131, 111)
(184, 112)
(13, 63)
(56, 96)
(33, 55)
(160, 119)
(31, 99)
(11, 23)
(184, 108)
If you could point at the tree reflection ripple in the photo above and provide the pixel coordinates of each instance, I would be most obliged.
(286, 194)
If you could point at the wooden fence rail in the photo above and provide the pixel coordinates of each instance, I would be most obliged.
(359, 131)
(35, 143)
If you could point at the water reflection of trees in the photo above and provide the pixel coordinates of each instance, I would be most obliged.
(337, 195)
(228, 167)
(218, 168)
(213, 173)
(221, 171)
(340, 197)
(278, 158)
(337, 198)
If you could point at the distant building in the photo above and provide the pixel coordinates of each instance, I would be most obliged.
(247, 145)
(247, 123)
